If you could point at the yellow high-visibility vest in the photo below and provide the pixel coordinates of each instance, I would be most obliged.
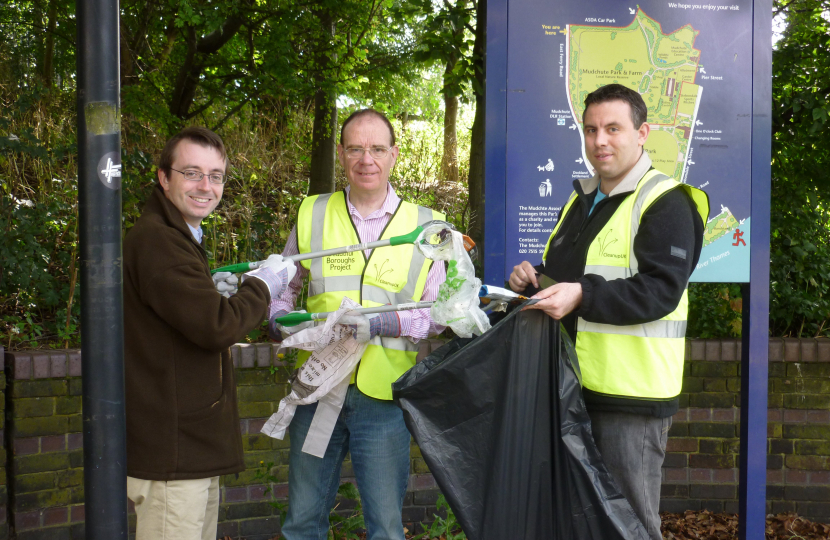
(639, 360)
(391, 275)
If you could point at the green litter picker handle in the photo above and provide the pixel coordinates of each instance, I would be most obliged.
(408, 238)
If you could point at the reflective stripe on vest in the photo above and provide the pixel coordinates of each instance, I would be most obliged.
(391, 275)
(641, 360)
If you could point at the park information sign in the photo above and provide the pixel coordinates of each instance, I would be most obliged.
(691, 62)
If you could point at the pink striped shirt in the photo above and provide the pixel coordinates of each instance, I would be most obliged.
(416, 323)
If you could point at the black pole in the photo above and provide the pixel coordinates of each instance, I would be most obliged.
(102, 321)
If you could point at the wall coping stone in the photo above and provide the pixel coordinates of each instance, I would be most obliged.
(61, 363)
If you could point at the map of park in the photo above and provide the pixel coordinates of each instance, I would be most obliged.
(661, 67)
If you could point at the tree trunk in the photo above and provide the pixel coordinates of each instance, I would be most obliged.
(476, 180)
(449, 163)
(49, 49)
(323, 143)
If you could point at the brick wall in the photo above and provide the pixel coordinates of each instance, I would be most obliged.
(44, 456)
(701, 467)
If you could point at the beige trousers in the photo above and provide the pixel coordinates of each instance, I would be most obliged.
(176, 509)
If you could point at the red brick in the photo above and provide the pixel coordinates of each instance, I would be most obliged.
(55, 516)
(58, 365)
(820, 477)
(724, 415)
(674, 476)
(795, 476)
(29, 445)
(823, 349)
(808, 350)
(776, 350)
(775, 477)
(818, 417)
(681, 445)
(243, 426)
(26, 520)
(235, 494)
(54, 443)
(775, 415)
(724, 476)
(255, 424)
(681, 416)
(75, 363)
(420, 482)
(257, 493)
(40, 366)
(792, 349)
(75, 441)
(280, 490)
(700, 415)
(22, 366)
(700, 475)
(795, 416)
(78, 513)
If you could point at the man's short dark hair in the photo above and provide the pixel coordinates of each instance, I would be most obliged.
(197, 135)
(618, 92)
(368, 112)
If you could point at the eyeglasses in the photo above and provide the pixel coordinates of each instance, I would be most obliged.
(196, 176)
(377, 152)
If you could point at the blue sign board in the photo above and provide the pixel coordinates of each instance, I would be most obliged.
(692, 63)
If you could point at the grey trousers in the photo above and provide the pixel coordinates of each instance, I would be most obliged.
(633, 447)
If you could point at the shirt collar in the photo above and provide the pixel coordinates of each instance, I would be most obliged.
(390, 204)
(196, 232)
(629, 183)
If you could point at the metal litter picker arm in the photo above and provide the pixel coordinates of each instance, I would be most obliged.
(408, 238)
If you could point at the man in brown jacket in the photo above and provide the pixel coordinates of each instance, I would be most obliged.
(182, 419)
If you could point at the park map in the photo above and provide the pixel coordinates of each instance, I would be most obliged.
(662, 68)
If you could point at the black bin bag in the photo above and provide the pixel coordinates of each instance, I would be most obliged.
(501, 424)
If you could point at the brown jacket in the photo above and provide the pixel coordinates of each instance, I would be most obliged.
(182, 419)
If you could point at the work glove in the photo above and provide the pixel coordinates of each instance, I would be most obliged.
(276, 272)
(226, 283)
(280, 332)
(381, 324)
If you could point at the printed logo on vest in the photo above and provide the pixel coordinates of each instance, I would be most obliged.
(341, 262)
(380, 272)
(604, 244)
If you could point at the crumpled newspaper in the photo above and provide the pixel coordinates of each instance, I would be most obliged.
(457, 302)
(323, 378)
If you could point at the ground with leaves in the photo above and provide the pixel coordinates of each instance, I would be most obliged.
(705, 525)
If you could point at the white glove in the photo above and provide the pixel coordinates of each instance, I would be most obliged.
(277, 263)
(226, 283)
(359, 323)
(291, 330)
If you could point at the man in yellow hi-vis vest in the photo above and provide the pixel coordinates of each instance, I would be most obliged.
(622, 253)
(370, 427)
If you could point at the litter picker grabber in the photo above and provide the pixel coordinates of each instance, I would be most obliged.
(487, 294)
(433, 233)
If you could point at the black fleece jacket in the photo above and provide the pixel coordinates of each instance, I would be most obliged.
(653, 293)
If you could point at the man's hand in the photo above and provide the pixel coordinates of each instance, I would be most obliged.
(558, 300)
(225, 283)
(277, 264)
(523, 275)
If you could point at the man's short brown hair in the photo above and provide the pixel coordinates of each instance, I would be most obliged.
(197, 135)
(368, 112)
(618, 92)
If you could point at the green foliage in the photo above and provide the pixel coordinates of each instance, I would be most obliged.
(714, 310)
(800, 224)
(442, 528)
